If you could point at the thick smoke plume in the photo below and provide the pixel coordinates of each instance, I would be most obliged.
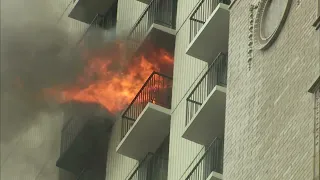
(36, 52)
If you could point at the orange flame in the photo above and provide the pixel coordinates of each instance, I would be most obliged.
(113, 89)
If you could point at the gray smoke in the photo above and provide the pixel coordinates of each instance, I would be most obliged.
(33, 47)
(36, 53)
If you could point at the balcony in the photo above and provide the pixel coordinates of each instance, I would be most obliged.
(100, 30)
(86, 10)
(84, 139)
(146, 121)
(209, 29)
(156, 27)
(151, 167)
(205, 109)
(208, 164)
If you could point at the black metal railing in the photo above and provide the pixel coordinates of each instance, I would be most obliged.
(152, 167)
(71, 130)
(162, 12)
(109, 19)
(100, 22)
(210, 161)
(202, 13)
(157, 90)
(215, 75)
(91, 30)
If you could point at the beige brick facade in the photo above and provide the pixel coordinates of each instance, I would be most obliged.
(317, 134)
(315, 89)
(269, 116)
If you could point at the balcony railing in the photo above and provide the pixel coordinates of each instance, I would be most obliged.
(215, 75)
(162, 12)
(211, 160)
(71, 130)
(157, 89)
(152, 167)
(100, 22)
(200, 15)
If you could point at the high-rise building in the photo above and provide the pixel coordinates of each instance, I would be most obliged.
(242, 102)
(241, 106)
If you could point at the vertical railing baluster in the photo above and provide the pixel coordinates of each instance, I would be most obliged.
(211, 160)
(154, 90)
(215, 75)
(201, 14)
(158, 11)
(152, 167)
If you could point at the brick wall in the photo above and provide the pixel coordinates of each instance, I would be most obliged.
(317, 133)
(269, 116)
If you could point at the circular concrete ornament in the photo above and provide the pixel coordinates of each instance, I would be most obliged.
(270, 18)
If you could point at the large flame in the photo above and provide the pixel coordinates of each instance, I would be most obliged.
(110, 80)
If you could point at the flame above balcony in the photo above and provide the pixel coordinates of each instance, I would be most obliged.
(110, 79)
